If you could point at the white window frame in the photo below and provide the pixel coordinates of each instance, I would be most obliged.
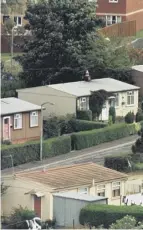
(83, 192)
(116, 186)
(18, 116)
(113, 1)
(101, 188)
(131, 94)
(111, 20)
(17, 24)
(33, 114)
(117, 97)
(82, 103)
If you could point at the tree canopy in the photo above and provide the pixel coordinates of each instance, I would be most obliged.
(60, 39)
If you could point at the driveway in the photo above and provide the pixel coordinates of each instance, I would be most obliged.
(95, 154)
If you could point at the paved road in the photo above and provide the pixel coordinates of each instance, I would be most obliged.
(95, 154)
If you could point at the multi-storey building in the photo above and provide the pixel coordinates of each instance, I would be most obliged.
(116, 11)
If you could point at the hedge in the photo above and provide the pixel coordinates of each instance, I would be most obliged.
(119, 163)
(96, 215)
(84, 115)
(91, 138)
(23, 153)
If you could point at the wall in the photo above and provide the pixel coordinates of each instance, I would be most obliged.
(122, 110)
(104, 6)
(16, 196)
(138, 18)
(134, 5)
(63, 103)
(138, 79)
(27, 132)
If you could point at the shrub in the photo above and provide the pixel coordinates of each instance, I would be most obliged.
(139, 116)
(96, 215)
(24, 153)
(138, 167)
(138, 146)
(129, 118)
(120, 119)
(91, 138)
(110, 122)
(119, 163)
(84, 115)
(112, 113)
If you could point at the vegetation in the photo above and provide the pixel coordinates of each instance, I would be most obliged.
(84, 115)
(127, 222)
(112, 113)
(96, 102)
(91, 138)
(129, 118)
(60, 38)
(58, 126)
(119, 163)
(96, 215)
(138, 146)
(3, 188)
(139, 116)
(18, 217)
(23, 153)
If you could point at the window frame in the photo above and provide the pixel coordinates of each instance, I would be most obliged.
(111, 19)
(113, 1)
(130, 96)
(101, 190)
(116, 188)
(31, 116)
(17, 17)
(86, 192)
(83, 104)
(15, 118)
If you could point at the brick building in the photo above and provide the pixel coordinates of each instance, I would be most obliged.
(116, 11)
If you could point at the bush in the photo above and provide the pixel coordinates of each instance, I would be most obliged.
(23, 153)
(139, 116)
(112, 113)
(84, 115)
(120, 119)
(95, 214)
(129, 118)
(119, 163)
(91, 138)
(138, 167)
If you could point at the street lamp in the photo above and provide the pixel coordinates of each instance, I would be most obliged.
(41, 135)
(11, 161)
(12, 38)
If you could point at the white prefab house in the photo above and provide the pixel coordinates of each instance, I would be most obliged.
(67, 98)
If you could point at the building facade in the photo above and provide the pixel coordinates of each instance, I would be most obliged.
(116, 11)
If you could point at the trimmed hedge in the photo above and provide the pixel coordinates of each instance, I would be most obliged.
(23, 153)
(84, 115)
(91, 138)
(96, 215)
(119, 163)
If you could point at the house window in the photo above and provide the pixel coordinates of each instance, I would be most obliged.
(34, 119)
(18, 121)
(5, 17)
(112, 20)
(117, 99)
(101, 190)
(18, 20)
(83, 190)
(116, 189)
(83, 103)
(130, 98)
(113, 1)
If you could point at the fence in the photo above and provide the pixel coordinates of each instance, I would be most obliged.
(124, 29)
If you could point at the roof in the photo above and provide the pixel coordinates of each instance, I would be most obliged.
(12, 105)
(78, 196)
(84, 88)
(75, 175)
(138, 68)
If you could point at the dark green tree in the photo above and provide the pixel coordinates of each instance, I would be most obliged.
(3, 188)
(60, 39)
(138, 146)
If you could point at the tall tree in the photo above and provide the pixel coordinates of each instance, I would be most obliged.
(60, 38)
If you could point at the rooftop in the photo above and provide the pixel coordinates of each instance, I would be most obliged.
(138, 68)
(12, 105)
(73, 175)
(78, 196)
(84, 88)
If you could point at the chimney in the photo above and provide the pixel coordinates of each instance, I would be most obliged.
(87, 76)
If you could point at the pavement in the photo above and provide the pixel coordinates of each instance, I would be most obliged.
(95, 154)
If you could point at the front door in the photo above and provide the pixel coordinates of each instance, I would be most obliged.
(37, 206)
(6, 128)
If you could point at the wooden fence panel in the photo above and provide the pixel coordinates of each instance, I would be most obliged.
(124, 29)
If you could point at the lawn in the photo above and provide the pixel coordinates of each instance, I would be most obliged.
(139, 34)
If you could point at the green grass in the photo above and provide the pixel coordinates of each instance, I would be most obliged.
(139, 34)
(139, 166)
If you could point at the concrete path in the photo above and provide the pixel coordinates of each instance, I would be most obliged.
(95, 154)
